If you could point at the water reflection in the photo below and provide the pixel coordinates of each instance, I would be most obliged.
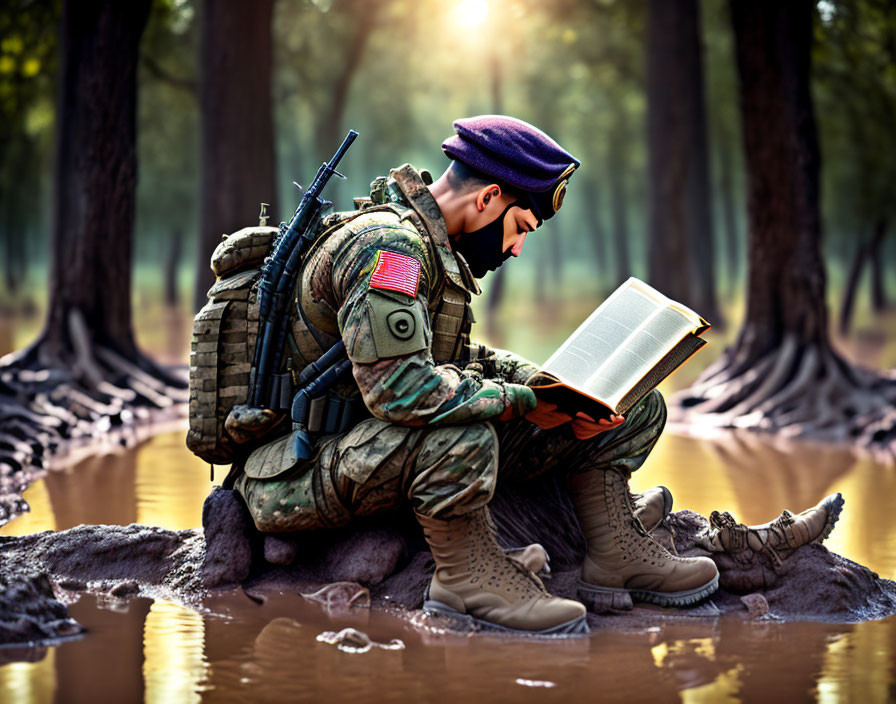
(171, 483)
(174, 654)
(163, 652)
(29, 683)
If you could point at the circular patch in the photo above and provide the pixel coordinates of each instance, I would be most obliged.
(401, 324)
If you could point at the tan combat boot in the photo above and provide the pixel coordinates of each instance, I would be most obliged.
(623, 562)
(475, 579)
(776, 539)
(652, 506)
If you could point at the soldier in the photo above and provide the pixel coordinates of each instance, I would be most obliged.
(394, 281)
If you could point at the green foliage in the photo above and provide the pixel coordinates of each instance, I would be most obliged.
(27, 67)
(28, 48)
(855, 91)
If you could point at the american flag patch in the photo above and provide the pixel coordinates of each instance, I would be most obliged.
(396, 272)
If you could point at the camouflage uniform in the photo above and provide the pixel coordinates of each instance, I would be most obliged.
(435, 398)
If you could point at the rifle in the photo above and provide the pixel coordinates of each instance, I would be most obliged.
(268, 389)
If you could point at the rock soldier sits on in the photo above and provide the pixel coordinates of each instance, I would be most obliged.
(444, 419)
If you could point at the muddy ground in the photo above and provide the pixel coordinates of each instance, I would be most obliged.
(386, 564)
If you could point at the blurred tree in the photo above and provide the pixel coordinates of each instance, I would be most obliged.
(619, 202)
(237, 129)
(363, 14)
(167, 208)
(724, 131)
(782, 372)
(96, 174)
(610, 49)
(681, 260)
(856, 86)
(594, 223)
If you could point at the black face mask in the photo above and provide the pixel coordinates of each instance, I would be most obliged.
(482, 248)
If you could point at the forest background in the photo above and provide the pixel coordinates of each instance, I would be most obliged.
(238, 100)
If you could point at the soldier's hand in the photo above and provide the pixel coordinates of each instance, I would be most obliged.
(585, 427)
(546, 415)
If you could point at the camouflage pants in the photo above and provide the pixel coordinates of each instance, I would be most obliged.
(444, 471)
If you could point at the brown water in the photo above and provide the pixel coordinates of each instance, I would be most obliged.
(162, 652)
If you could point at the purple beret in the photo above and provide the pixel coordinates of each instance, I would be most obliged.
(515, 153)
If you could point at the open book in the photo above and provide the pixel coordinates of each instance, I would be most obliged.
(634, 340)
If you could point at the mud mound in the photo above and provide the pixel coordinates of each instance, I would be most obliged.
(120, 561)
(389, 558)
(29, 610)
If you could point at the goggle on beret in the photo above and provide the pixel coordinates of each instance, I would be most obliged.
(515, 153)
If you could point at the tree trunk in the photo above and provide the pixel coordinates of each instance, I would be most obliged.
(729, 214)
(681, 262)
(557, 268)
(96, 174)
(876, 253)
(236, 121)
(20, 183)
(786, 278)
(496, 292)
(596, 229)
(14, 249)
(782, 374)
(172, 263)
(852, 285)
(364, 16)
(619, 207)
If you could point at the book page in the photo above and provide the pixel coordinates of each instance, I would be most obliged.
(604, 331)
(643, 349)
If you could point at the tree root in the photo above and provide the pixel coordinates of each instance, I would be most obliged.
(50, 406)
(796, 391)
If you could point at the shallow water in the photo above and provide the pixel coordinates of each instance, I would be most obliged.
(162, 652)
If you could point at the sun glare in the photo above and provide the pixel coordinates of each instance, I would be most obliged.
(471, 13)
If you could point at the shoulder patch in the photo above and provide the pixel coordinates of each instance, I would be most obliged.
(396, 272)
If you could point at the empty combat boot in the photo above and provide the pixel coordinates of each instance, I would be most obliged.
(623, 562)
(477, 581)
(652, 506)
(776, 539)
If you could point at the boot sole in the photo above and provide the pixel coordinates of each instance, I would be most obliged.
(834, 504)
(610, 598)
(576, 627)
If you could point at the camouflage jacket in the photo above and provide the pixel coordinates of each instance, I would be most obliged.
(386, 281)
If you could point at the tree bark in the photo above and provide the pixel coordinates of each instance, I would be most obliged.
(681, 259)
(876, 253)
(95, 174)
(786, 278)
(236, 122)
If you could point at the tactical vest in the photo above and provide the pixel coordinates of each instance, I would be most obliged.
(451, 317)
(226, 329)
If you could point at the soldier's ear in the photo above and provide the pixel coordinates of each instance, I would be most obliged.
(485, 196)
